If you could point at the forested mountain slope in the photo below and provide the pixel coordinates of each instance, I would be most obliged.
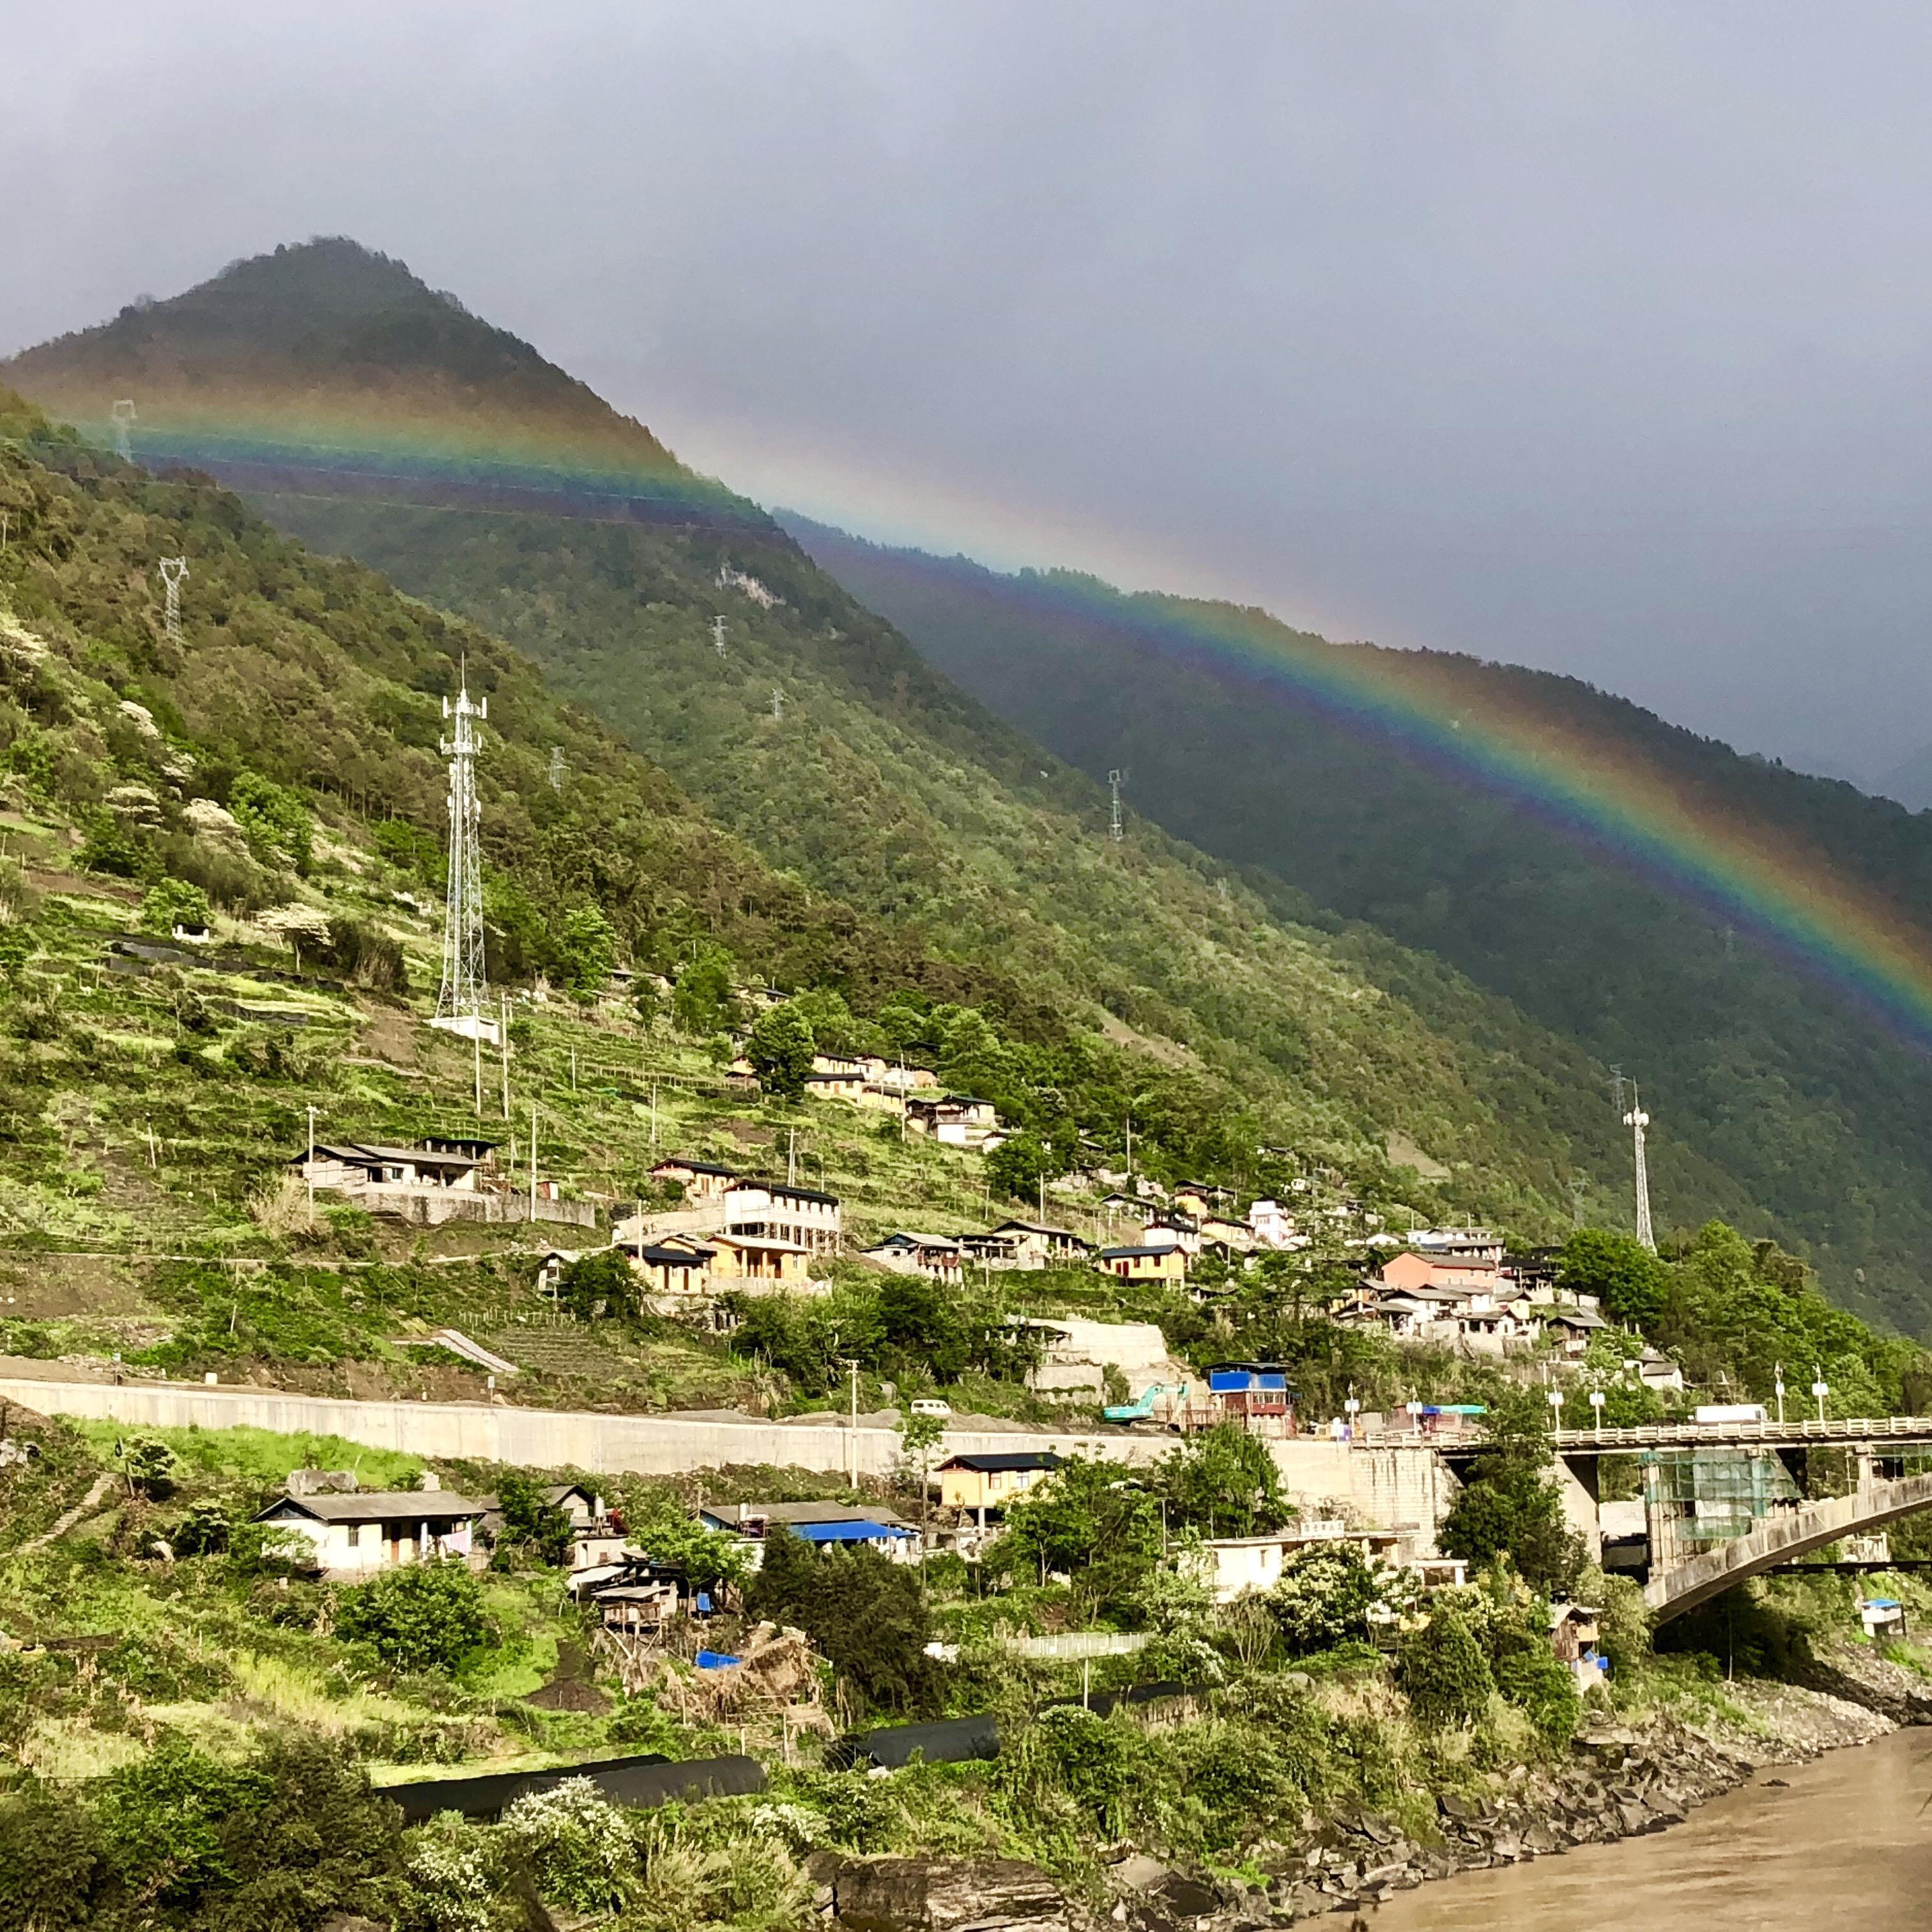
(820, 736)
(1785, 1081)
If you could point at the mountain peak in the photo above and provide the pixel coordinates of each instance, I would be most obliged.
(328, 344)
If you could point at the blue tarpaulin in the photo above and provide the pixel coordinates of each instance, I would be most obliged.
(715, 1660)
(862, 1531)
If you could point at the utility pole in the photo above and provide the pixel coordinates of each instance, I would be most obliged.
(1115, 779)
(556, 768)
(476, 1045)
(852, 1362)
(791, 1157)
(503, 1044)
(311, 1155)
(1636, 1119)
(533, 1163)
(778, 704)
(654, 1113)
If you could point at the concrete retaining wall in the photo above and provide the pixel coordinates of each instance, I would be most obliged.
(1396, 1489)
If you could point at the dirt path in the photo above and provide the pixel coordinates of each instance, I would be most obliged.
(62, 1524)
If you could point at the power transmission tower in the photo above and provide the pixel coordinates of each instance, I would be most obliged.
(717, 634)
(174, 569)
(778, 703)
(461, 994)
(1636, 1119)
(556, 768)
(1617, 1088)
(1577, 1200)
(124, 419)
(1115, 779)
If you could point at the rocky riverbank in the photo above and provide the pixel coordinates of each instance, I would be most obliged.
(1618, 1781)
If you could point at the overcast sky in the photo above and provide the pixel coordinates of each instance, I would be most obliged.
(1587, 335)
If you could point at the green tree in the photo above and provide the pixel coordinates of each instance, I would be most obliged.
(702, 1002)
(1224, 1482)
(865, 1613)
(780, 1048)
(173, 902)
(1627, 1279)
(1442, 1670)
(274, 821)
(425, 1616)
(1019, 1164)
(534, 1529)
(1323, 1599)
(1511, 1506)
(603, 1283)
(586, 948)
(1092, 1521)
(709, 1559)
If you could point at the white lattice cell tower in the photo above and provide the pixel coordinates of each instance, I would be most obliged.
(460, 997)
(1636, 1119)
(174, 573)
(1115, 779)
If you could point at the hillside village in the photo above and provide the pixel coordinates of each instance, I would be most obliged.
(894, 1388)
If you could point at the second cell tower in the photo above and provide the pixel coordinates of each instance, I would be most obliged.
(1115, 779)
(459, 1001)
(1636, 1119)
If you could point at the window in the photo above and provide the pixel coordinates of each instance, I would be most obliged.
(355, 1536)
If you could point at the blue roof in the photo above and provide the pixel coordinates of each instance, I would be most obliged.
(861, 1531)
(1223, 1379)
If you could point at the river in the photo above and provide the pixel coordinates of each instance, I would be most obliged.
(1846, 1841)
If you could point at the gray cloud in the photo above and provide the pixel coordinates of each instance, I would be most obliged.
(1595, 338)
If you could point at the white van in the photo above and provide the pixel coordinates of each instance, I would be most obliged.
(931, 1405)
(1728, 1411)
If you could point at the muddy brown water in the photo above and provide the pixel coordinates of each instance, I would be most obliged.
(1846, 1840)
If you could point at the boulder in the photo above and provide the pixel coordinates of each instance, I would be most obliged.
(893, 1894)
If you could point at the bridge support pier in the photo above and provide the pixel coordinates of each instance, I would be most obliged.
(1582, 1490)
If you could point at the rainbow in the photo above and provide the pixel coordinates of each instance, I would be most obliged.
(1775, 887)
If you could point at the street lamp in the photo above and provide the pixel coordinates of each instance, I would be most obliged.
(1352, 1407)
(1779, 1385)
(1596, 1403)
(1554, 1398)
(1820, 1389)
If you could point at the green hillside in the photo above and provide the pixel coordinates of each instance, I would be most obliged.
(821, 739)
(1814, 1110)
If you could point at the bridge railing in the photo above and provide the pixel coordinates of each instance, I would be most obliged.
(1656, 1434)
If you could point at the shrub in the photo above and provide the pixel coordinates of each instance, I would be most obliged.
(452, 1875)
(1530, 1675)
(1323, 1599)
(575, 1844)
(604, 1283)
(48, 1860)
(428, 1616)
(1442, 1670)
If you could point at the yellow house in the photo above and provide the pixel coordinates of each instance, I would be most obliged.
(981, 1482)
(1143, 1263)
(754, 1258)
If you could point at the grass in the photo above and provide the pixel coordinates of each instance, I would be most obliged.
(258, 1456)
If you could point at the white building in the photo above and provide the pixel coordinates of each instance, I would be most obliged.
(359, 1532)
